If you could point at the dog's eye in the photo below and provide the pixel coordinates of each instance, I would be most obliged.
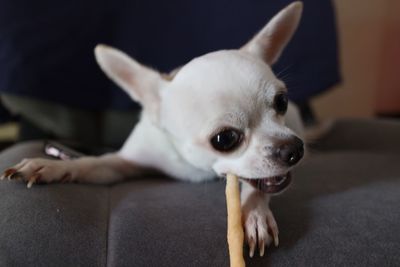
(281, 103)
(226, 140)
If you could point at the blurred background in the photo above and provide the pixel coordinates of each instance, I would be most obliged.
(369, 44)
(343, 62)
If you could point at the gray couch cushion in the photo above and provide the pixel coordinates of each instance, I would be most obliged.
(341, 210)
(362, 135)
(159, 222)
(54, 225)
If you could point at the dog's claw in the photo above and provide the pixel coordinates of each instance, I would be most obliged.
(252, 247)
(273, 229)
(32, 180)
(29, 185)
(15, 176)
(261, 246)
(276, 240)
(9, 173)
(38, 170)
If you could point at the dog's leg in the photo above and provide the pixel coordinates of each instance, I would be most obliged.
(105, 169)
(259, 223)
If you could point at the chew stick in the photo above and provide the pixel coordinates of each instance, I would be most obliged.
(235, 230)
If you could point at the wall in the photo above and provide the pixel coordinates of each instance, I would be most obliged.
(361, 26)
(388, 90)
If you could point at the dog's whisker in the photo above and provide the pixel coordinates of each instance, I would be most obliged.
(283, 71)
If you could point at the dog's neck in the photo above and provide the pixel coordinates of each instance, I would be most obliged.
(151, 147)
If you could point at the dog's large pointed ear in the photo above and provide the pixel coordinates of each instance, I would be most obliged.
(269, 43)
(141, 83)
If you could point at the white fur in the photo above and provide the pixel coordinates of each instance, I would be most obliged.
(232, 88)
(149, 146)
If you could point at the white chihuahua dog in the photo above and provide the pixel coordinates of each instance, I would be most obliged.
(221, 113)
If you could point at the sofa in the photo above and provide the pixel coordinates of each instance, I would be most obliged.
(342, 209)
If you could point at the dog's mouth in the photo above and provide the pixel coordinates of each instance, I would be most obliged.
(271, 185)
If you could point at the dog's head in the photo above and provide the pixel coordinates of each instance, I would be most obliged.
(224, 110)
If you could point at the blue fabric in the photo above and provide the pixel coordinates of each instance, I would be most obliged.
(46, 47)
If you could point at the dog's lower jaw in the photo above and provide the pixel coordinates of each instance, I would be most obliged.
(150, 147)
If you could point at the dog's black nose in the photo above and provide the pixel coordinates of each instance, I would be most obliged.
(290, 152)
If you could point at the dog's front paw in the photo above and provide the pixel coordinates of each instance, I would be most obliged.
(39, 170)
(260, 229)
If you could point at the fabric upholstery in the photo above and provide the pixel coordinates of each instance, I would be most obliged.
(361, 135)
(55, 225)
(341, 210)
(167, 223)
